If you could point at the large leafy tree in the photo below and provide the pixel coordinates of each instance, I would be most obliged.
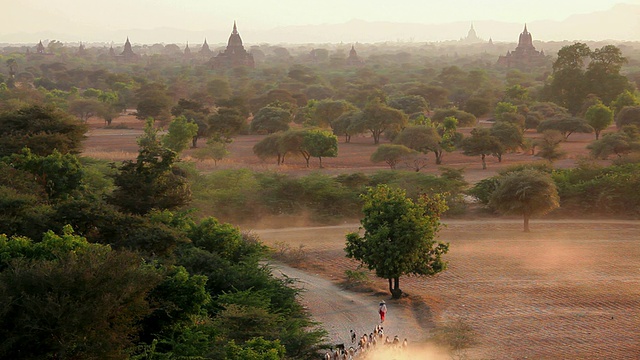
(571, 82)
(599, 116)
(528, 193)
(348, 124)
(399, 235)
(153, 101)
(77, 300)
(41, 129)
(566, 126)
(180, 135)
(326, 111)
(619, 143)
(629, 115)
(320, 143)
(270, 147)
(270, 119)
(392, 154)
(482, 143)
(227, 122)
(568, 87)
(152, 181)
(378, 118)
(510, 135)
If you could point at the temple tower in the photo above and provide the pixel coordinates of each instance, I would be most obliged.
(234, 55)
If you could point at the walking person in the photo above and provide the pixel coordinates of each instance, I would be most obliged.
(382, 311)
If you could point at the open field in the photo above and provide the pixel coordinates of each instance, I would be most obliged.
(567, 290)
(570, 289)
(118, 144)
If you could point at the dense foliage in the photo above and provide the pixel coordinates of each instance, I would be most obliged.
(399, 235)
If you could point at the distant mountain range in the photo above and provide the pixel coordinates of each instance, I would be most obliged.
(620, 23)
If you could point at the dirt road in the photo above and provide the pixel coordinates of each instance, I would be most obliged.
(341, 311)
(570, 289)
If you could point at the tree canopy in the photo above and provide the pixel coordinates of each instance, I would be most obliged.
(399, 235)
(41, 129)
(528, 193)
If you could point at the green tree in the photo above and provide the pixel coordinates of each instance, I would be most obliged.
(478, 106)
(348, 124)
(60, 175)
(626, 98)
(399, 236)
(503, 108)
(41, 129)
(270, 119)
(618, 143)
(326, 111)
(482, 143)
(226, 122)
(154, 102)
(549, 145)
(85, 108)
(427, 138)
(270, 147)
(409, 104)
(599, 116)
(464, 118)
(256, 349)
(215, 150)
(392, 154)
(77, 300)
(320, 143)
(180, 134)
(436, 96)
(378, 118)
(629, 115)
(603, 73)
(566, 126)
(527, 193)
(150, 182)
(510, 135)
(516, 93)
(568, 87)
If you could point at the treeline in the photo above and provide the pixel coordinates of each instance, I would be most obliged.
(585, 191)
(100, 262)
(245, 196)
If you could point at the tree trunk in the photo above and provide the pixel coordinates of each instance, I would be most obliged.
(390, 286)
(484, 162)
(194, 142)
(526, 222)
(396, 293)
(320, 158)
(438, 157)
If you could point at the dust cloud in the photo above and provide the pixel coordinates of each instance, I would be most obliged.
(413, 352)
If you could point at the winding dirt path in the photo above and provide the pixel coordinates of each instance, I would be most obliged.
(570, 289)
(340, 311)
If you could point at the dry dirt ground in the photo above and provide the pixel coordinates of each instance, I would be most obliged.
(570, 289)
(567, 290)
(119, 143)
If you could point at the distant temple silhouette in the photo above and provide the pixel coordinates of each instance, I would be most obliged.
(205, 52)
(524, 55)
(354, 59)
(234, 55)
(472, 37)
(127, 54)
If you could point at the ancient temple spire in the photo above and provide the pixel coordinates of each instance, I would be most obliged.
(235, 28)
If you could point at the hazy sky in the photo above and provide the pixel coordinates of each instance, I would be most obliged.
(93, 16)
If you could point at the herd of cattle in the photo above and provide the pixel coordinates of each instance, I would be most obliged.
(365, 344)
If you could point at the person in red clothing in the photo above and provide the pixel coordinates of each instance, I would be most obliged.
(382, 311)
